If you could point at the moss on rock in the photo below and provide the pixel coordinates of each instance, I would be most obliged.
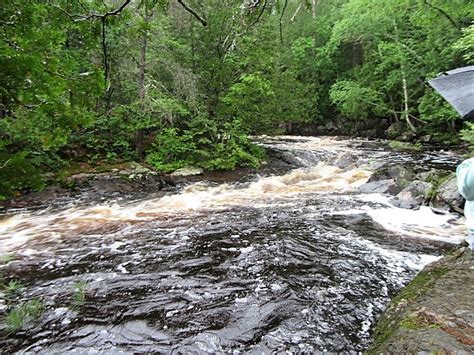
(433, 313)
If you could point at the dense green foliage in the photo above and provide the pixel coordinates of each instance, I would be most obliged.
(96, 81)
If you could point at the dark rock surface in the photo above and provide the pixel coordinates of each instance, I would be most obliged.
(346, 160)
(93, 186)
(434, 313)
(412, 196)
(396, 129)
(381, 186)
(140, 181)
(389, 179)
(448, 195)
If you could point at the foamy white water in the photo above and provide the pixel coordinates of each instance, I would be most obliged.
(198, 197)
(421, 223)
(301, 262)
(266, 191)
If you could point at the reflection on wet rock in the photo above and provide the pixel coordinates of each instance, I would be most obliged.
(303, 261)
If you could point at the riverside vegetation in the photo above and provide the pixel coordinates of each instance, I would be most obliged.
(183, 83)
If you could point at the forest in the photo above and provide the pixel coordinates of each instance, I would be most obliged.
(175, 83)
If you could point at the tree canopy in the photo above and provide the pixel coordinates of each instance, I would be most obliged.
(184, 82)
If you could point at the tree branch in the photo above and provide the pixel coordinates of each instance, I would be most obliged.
(296, 12)
(444, 13)
(117, 11)
(192, 12)
(280, 20)
(103, 18)
(79, 18)
(264, 5)
(247, 29)
(105, 53)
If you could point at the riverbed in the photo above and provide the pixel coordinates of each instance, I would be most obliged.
(296, 260)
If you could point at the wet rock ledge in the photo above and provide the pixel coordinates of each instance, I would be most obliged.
(434, 313)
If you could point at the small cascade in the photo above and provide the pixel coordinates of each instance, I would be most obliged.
(300, 262)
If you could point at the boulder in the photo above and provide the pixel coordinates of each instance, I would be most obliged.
(369, 133)
(448, 195)
(345, 160)
(188, 171)
(429, 175)
(399, 173)
(392, 179)
(37, 198)
(407, 136)
(139, 169)
(413, 196)
(434, 314)
(111, 185)
(320, 129)
(426, 138)
(381, 186)
(331, 127)
(396, 129)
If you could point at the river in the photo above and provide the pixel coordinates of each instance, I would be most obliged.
(299, 260)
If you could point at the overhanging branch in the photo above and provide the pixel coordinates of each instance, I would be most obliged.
(78, 18)
(263, 7)
(103, 19)
(260, 14)
(192, 12)
(281, 20)
(444, 13)
(118, 10)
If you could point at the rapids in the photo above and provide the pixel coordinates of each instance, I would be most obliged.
(297, 261)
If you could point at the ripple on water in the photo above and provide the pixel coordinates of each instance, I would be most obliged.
(298, 262)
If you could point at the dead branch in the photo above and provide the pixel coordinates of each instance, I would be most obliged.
(296, 13)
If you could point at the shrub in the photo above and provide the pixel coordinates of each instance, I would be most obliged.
(204, 145)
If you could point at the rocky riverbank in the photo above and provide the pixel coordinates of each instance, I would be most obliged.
(434, 313)
(115, 182)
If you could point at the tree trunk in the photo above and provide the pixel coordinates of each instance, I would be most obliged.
(405, 99)
(142, 89)
(313, 8)
(394, 113)
(405, 114)
(193, 47)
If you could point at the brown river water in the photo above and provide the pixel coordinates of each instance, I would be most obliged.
(295, 261)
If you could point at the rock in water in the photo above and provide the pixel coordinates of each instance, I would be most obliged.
(188, 171)
(448, 195)
(412, 196)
